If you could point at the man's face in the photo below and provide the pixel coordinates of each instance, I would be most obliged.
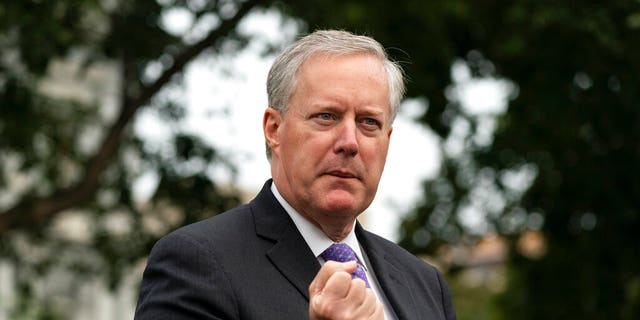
(329, 149)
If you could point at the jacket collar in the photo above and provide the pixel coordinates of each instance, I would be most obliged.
(389, 275)
(289, 253)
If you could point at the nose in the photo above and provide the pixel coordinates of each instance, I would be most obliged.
(346, 142)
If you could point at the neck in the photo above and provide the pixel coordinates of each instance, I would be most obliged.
(336, 232)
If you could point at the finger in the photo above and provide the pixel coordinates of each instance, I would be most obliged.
(331, 301)
(338, 285)
(370, 307)
(379, 312)
(328, 269)
(357, 293)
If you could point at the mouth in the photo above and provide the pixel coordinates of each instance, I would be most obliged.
(342, 174)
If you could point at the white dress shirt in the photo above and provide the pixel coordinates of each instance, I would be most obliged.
(318, 242)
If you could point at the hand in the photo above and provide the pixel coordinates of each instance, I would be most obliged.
(333, 295)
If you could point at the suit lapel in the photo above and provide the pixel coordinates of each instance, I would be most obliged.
(294, 259)
(290, 253)
(390, 277)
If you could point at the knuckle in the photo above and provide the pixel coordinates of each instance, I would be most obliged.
(359, 283)
(335, 311)
(328, 310)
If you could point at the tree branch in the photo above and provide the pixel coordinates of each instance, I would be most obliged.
(35, 212)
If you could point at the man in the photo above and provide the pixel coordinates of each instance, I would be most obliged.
(296, 250)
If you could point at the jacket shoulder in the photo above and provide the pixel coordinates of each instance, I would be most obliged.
(219, 228)
(398, 253)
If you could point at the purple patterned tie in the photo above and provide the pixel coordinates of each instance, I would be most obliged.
(341, 252)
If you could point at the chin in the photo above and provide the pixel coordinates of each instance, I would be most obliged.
(341, 202)
(342, 207)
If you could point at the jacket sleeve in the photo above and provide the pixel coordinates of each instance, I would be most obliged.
(183, 281)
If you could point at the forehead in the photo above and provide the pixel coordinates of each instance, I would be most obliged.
(349, 80)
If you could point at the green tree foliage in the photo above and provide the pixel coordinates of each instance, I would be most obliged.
(564, 157)
(64, 157)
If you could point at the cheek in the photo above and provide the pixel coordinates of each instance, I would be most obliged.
(376, 152)
(304, 151)
(315, 145)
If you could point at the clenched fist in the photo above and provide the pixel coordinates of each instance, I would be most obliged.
(333, 295)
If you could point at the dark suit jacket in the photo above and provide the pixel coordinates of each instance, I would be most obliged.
(252, 263)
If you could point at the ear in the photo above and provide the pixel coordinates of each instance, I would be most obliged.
(389, 134)
(271, 122)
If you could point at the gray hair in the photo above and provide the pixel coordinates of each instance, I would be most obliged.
(282, 78)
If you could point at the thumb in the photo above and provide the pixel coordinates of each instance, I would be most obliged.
(350, 266)
(327, 270)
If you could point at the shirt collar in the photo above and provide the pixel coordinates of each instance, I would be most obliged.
(316, 239)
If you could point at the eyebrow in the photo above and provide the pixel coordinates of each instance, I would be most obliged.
(333, 105)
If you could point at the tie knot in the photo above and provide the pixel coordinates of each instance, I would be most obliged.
(340, 252)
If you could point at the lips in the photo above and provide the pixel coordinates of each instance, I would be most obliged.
(342, 174)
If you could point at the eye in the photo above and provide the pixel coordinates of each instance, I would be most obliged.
(370, 123)
(325, 116)
(324, 119)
